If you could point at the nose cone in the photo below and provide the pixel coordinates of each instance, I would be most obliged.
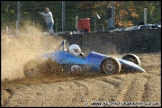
(140, 69)
(133, 69)
(130, 66)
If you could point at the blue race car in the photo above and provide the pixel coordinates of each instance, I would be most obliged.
(93, 62)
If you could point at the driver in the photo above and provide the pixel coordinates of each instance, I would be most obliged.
(74, 49)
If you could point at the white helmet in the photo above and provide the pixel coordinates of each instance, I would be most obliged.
(75, 50)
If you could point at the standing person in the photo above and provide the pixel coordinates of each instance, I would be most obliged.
(49, 20)
(109, 16)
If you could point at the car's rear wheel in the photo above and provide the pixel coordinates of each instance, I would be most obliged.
(110, 66)
(133, 58)
(31, 69)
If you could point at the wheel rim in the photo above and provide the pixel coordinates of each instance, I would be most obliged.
(31, 69)
(109, 67)
(31, 73)
(75, 68)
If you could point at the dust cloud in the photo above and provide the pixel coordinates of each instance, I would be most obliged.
(17, 50)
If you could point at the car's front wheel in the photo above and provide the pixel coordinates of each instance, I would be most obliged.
(133, 58)
(110, 66)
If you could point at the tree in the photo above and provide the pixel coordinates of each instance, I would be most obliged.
(127, 13)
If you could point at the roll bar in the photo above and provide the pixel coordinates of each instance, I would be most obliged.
(63, 46)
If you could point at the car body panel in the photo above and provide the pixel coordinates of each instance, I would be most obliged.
(92, 60)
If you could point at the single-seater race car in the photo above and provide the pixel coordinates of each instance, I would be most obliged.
(71, 59)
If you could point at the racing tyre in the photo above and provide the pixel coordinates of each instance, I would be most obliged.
(133, 58)
(31, 69)
(50, 67)
(110, 66)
